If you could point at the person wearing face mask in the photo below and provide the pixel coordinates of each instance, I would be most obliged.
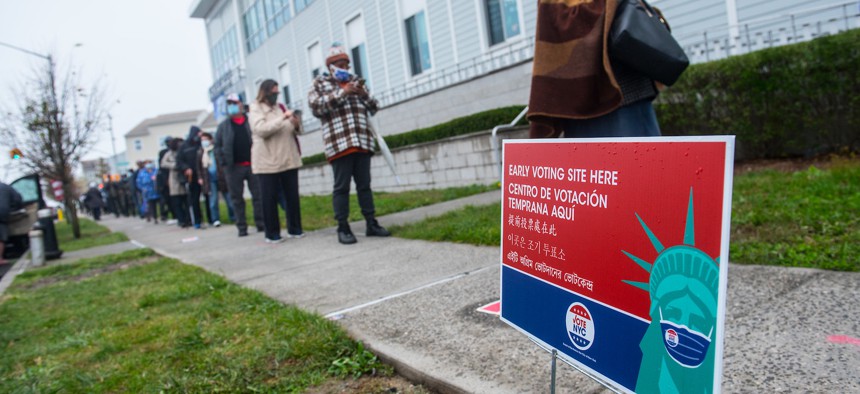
(210, 173)
(275, 159)
(146, 184)
(233, 153)
(343, 105)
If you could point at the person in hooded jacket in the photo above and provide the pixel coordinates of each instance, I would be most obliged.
(178, 198)
(186, 163)
(145, 182)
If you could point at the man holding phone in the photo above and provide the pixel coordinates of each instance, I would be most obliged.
(343, 105)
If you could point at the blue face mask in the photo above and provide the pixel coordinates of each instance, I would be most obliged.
(232, 109)
(340, 74)
(205, 143)
(150, 166)
(685, 346)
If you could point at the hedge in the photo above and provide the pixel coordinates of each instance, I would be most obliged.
(795, 100)
(468, 124)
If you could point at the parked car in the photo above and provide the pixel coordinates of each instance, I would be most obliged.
(22, 220)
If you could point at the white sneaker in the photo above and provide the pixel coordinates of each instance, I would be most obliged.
(302, 235)
(172, 221)
(217, 223)
(275, 241)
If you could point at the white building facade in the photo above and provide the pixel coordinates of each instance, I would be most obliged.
(429, 61)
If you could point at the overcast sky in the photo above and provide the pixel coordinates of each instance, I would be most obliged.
(151, 55)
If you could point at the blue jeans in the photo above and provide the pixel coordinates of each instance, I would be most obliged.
(634, 120)
(213, 200)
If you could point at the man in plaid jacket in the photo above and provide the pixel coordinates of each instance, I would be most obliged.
(342, 103)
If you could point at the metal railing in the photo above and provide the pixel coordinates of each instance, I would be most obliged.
(761, 33)
(516, 53)
(494, 141)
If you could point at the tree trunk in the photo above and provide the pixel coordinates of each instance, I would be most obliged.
(69, 199)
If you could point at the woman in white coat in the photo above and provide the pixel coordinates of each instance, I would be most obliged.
(275, 160)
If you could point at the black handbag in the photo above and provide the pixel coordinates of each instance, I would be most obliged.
(642, 41)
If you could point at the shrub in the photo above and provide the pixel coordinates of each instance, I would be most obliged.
(794, 100)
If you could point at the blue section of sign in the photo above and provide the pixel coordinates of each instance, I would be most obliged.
(615, 349)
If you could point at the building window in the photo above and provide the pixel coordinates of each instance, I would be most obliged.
(225, 53)
(284, 71)
(302, 4)
(138, 145)
(315, 59)
(355, 38)
(277, 14)
(503, 21)
(254, 21)
(419, 45)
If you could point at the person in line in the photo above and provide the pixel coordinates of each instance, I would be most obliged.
(589, 94)
(275, 159)
(161, 183)
(344, 106)
(178, 194)
(146, 184)
(233, 152)
(10, 201)
(186, 162)
(94, 202)
(210, 178)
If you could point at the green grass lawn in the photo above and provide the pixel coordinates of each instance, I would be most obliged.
(808, 218)
(137, 322)
(92, 234)
(317, 211)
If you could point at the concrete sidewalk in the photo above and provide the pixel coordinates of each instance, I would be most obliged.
(414, 303)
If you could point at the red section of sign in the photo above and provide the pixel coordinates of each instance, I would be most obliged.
(570, 211)
(492, 308)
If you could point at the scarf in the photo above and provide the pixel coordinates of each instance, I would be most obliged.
(571, 76)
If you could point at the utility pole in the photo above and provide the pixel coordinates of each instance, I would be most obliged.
(113, 163)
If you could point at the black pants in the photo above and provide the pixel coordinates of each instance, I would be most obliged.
(237, 176)
(194, 202)
(152, 209)
(180, 209)
(356, 167)
(271, 186)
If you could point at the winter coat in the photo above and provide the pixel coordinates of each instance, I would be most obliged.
(345, 117)
(274, 147)
(93, 198)
(177, 187)
(186, 157)
(225, 139)
(146, 184)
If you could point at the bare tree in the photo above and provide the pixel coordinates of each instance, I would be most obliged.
(54, 126)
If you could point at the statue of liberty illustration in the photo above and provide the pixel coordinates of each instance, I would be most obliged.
(677, 355)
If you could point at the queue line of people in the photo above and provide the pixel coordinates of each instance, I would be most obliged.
(258, 147)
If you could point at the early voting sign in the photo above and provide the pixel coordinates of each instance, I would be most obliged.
(615, 253)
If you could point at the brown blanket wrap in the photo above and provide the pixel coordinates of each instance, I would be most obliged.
(571, 78)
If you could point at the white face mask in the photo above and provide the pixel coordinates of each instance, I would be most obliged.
(340, 74)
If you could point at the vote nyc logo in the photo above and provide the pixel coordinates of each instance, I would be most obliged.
(580, 326)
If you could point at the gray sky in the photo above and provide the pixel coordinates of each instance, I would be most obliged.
(152, 56)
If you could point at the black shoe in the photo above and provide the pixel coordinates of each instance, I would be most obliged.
(345, 236)
(375, 230)
(261, 229)
(243, 233)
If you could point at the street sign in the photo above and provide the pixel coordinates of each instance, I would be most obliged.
(614, 253)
